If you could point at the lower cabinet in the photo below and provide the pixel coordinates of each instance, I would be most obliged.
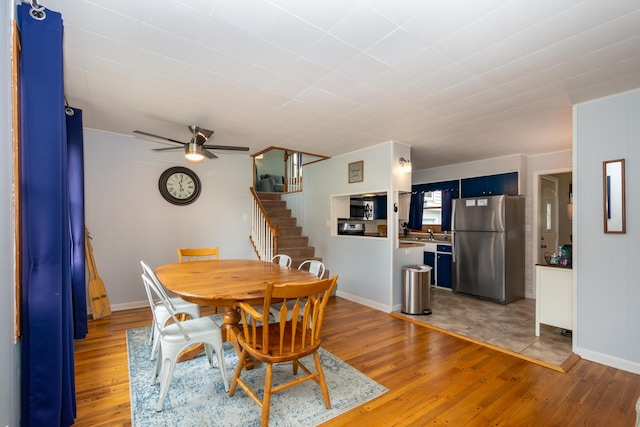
(443, 269)
(554, 297)
(439, 258)
(430, 260)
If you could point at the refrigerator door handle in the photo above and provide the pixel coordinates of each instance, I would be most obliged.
(453, 246)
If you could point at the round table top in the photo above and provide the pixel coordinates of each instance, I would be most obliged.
(226, 281)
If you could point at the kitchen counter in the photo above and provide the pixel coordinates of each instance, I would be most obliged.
(409, 244)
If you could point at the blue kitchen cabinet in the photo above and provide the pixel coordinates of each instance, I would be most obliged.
(430, 260)
(490, 185)
(444, 270)
(380, 207)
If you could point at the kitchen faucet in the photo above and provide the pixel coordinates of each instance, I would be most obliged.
(431, 234)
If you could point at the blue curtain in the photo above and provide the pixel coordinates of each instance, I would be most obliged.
(415, 210)
(47, 371)
(75, 151)
(447, 198)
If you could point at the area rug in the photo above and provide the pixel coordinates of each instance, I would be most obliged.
(197, 396)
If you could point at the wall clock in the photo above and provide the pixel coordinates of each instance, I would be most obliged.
(356, 171)
(179, 185)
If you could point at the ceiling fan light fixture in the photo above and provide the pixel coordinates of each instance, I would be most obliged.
(193, 152)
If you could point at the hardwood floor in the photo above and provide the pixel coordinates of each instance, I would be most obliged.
(433, 378)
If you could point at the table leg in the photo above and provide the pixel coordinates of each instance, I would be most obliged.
(230, 328)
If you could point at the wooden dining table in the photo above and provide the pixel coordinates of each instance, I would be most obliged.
(226, 282)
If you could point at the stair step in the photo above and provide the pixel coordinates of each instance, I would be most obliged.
(274, 204)
(283, 221)
(292, 242)
(268, 196)
(303, 252)
(278, 213)
(290, 231)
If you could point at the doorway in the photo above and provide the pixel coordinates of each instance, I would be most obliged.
(555, 213)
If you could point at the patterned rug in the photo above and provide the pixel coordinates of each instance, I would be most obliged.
(197, 396)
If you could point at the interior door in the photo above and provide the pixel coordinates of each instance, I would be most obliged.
(548, 217)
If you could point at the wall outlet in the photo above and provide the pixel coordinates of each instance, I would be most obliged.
(244, 217)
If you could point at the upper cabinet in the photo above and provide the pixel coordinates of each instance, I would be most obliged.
(380, 207)
(505, 183)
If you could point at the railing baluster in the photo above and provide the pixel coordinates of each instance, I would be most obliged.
(264, 235)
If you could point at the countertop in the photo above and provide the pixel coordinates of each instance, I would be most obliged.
(565, 267)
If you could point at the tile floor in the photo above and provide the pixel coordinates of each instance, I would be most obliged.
(510, 326)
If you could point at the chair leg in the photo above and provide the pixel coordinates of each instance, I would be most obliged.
(236, 374)
(166, 374)
(155, 343)
(223, 368)
(321, 381)
(156, 370)
(266, 401)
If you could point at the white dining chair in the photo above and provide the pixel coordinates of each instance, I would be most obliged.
(175, 337)
(314, 267)
(282, 259)
(160, 314)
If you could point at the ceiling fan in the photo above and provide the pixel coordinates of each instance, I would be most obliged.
(196, 149)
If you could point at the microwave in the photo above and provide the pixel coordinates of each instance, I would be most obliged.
(361, 209)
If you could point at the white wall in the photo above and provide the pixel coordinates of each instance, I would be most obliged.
(605, 275)
(130, 221)
(9, 351)
(365, 265)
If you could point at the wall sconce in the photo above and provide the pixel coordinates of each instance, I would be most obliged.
(405, 165)
(193, 152)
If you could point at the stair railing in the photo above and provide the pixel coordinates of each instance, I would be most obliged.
(264, 235)
(293, 172)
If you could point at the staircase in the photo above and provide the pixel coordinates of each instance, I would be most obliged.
(291, 241)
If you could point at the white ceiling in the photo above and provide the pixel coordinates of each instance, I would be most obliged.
(458, 80)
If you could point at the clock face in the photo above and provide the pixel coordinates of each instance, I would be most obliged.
(179, 185)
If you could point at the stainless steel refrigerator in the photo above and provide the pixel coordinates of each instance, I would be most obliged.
(488, 247)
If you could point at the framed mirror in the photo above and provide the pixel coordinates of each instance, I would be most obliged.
(614, 196)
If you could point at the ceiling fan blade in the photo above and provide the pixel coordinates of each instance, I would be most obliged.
(167, 148)
(157, 136)
(226, 147)
(209, 154)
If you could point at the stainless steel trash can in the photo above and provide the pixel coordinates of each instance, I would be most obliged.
(416, 290)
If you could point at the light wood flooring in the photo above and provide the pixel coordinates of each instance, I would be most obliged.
(433, 378)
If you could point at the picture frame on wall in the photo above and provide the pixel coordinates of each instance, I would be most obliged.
(356, 171)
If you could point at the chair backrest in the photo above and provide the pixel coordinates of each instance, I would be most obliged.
(302, 331)
(152, 276)
(282, 259)
(154, 291)
(197, 254)
(314, 267)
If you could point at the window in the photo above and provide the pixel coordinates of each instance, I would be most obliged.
(432, 208)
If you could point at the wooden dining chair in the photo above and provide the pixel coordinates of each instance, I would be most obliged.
(197, 254)
(312, 266)
(285, 341)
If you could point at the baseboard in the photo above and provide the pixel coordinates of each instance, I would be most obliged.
(364, 301)
(605, 359)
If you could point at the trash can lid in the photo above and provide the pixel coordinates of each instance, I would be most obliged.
(417, 267)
